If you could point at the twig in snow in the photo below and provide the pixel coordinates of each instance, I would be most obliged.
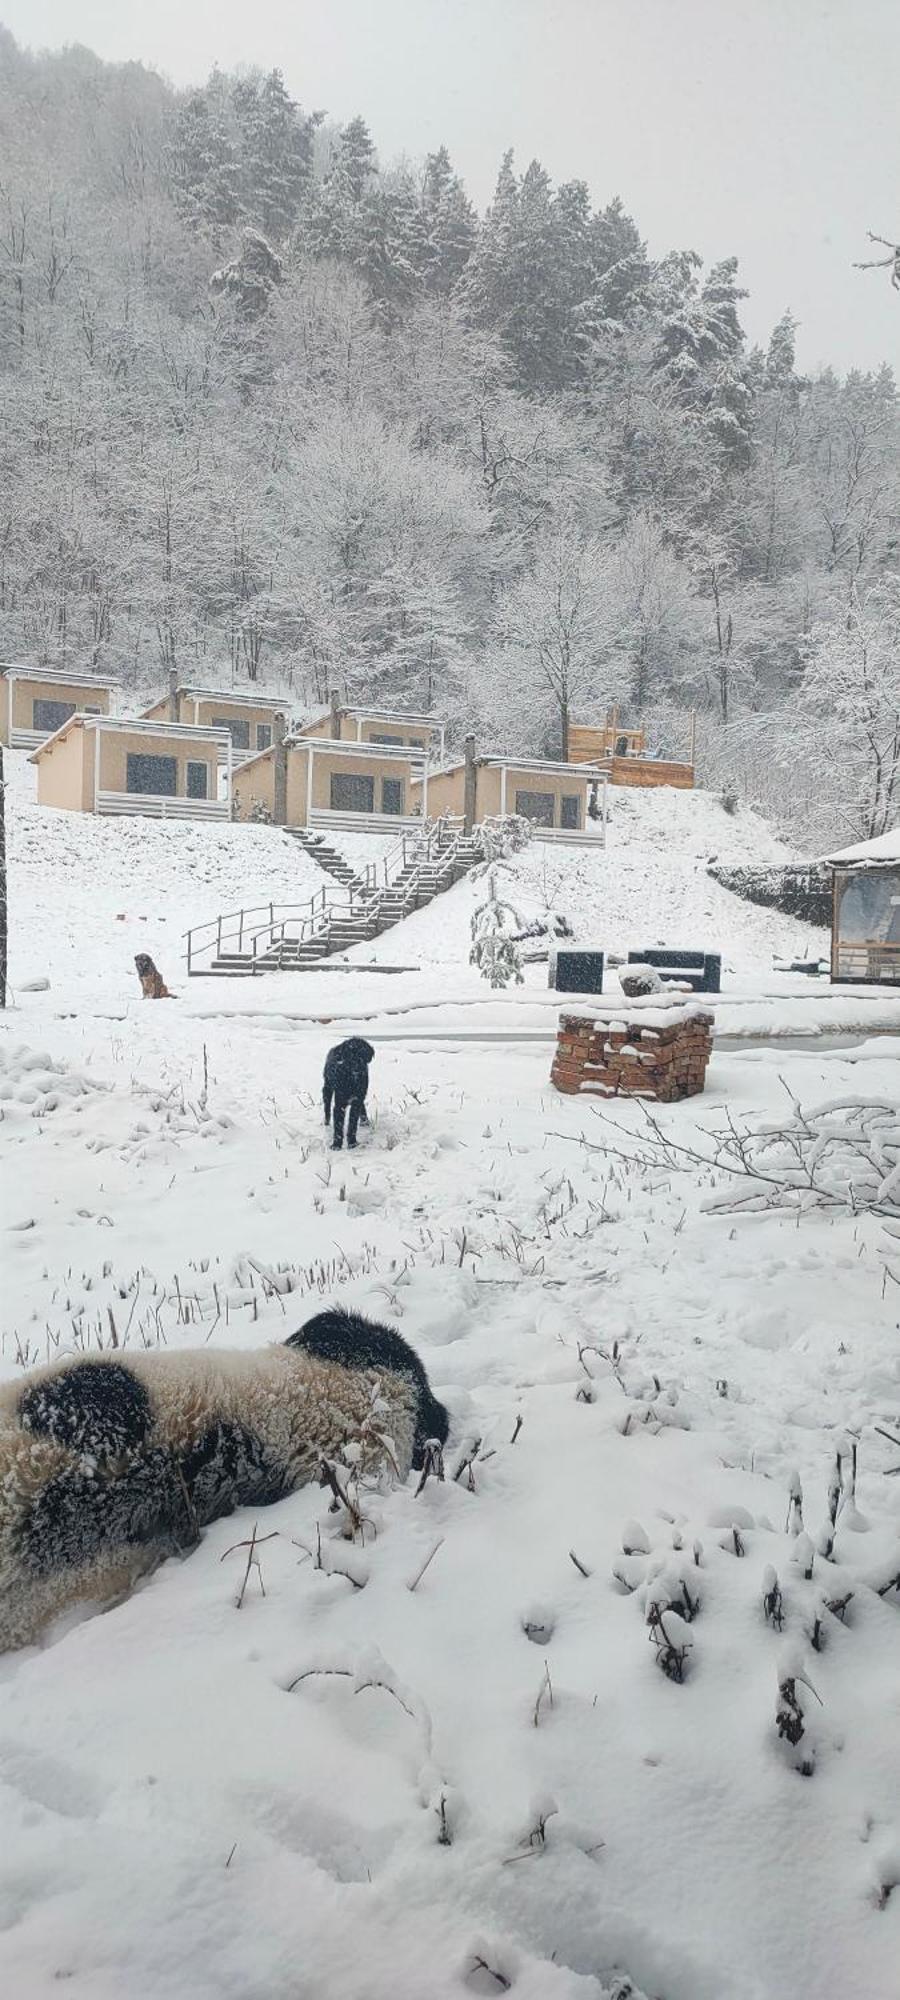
(428, 1559)
(544, 1691)
(578, 1565)
(253, 1561)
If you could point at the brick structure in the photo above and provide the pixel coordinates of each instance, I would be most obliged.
(657, 1046)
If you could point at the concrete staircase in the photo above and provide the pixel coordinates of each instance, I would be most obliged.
(325, 856)
(291, 937)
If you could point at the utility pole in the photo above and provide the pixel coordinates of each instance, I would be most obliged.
(4, 930)
(335, 719)
(279, 758)
(470, 788)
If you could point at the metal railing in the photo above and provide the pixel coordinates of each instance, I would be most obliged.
(254, 933)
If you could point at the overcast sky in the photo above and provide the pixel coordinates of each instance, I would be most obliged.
(767, 129)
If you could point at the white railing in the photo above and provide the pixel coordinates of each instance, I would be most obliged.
(156, 806)
(592, 834)
(362, 822)
(28, 739)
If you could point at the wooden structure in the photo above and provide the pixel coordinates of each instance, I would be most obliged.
(865, 926)
(111, 764)
(36, 701)
(556, 798)
(249, 719)
(658, 1047)
(623, 755)
(392, 729)
(326, 783)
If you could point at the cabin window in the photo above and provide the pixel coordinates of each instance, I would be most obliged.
(153, 776)
(238, 730)
(351, 792)
(264, 735)
(392, 795)
(396, 742)
(536, 806)
(197, 781)
(570, 810)
(50, 715)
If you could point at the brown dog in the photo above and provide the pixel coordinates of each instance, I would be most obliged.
(153, 985)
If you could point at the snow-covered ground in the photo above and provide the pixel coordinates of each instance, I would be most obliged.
(522, 1801)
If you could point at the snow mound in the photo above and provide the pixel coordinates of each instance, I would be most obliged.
(32, 1084)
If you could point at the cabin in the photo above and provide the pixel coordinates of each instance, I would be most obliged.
(248, 718)
(556, 798)
(116, 764)
(368, 787)
(865, 923)
(36, 701)
(623, 756)
(393, 729)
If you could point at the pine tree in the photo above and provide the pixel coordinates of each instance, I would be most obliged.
(275, 148)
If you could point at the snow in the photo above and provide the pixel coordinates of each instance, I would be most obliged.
(373, 1781)
(886, 847)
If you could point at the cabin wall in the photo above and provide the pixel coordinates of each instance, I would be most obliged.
(65, 772)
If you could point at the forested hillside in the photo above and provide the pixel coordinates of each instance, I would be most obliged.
(275, 409)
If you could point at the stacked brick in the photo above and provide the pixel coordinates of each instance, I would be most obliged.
(660, 1050)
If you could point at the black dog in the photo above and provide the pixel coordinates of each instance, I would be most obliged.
(346, 1082)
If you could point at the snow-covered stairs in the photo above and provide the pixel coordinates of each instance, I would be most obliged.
(359, 910)
(325, 856)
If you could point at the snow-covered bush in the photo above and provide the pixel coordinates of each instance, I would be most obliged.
(636, 980)
(495, 950)
(499, 837)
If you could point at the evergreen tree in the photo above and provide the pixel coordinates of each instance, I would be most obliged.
(275, 150)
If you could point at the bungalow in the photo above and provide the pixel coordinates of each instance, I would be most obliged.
(555, 797)
(115, 764)
(35, 701)
(329, 783)
(865, 927)
(394, 729)
(248, 718)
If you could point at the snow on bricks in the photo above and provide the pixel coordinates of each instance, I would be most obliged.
(658, 1047)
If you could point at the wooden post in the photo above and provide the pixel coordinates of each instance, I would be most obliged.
(335, 719)
(173, 694)
(4, 908)
(279, 789)
(470, 787)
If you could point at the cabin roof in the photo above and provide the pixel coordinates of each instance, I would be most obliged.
(131, 726)
(260, 699)
(873, 853)
(18, 670)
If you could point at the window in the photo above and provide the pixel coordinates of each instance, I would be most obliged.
(152, 775)
(392, 795)
(395, 741)
(570, 810)
(91, 711)
(536, 806)
(239, 731)
(264, 735)
(198, 781)
(50, 715)
(350, 793)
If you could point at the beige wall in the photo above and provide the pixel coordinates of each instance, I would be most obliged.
(25, 692)
(254, 784)
(116, 745)
(65, 772)
(446, 793)
(417, 736)
(256, 780)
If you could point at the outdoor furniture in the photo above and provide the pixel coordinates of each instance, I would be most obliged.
(701, 970)
(576, 971)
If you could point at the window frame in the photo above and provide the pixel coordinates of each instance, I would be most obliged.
(149, 791)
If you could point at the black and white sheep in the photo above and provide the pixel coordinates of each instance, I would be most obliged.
(109, 1464)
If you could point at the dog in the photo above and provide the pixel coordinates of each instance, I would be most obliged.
(345, 1084)
(109, 1464)
(153, 985)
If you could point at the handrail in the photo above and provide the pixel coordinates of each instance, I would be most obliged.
(437, 838)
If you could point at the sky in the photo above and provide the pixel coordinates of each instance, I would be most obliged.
(765, 129)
